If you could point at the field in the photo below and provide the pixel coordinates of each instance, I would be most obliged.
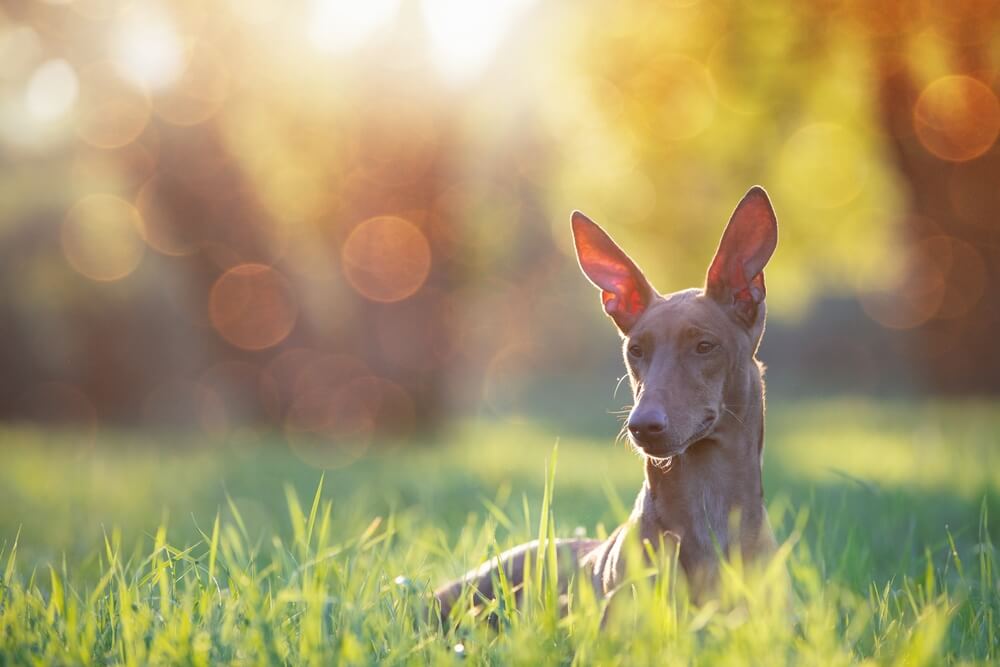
(175, 550)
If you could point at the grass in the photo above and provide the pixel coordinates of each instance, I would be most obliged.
(179, 551)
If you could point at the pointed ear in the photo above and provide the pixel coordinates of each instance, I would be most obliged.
(625, 292)
(736, 276)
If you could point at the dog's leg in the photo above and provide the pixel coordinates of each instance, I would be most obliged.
(569, 552)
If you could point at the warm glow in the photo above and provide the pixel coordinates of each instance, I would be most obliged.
(156, 200)
(111, 113)
(342, 25)
(199, 91)
(386, 258)
(146, 49)
(101, 237)
(465, 35)
(957, 118)
(52, 90)
(338, 409)
(253, 307)
(942, 278)
(687, 96)
(822, 165)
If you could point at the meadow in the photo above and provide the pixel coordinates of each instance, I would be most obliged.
(173, 549)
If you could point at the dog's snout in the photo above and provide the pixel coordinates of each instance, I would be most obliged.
(647, 424)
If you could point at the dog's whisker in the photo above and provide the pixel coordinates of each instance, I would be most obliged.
(663, 464)
(735, 416)
(622, 436)
(618, 385)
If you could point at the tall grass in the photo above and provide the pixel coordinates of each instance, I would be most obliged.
(318, 597)
(882, 560)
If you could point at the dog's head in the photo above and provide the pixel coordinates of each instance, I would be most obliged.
(685, 351)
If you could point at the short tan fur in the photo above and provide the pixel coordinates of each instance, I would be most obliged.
(698, 414)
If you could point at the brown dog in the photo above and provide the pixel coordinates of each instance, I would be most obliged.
(698, 418)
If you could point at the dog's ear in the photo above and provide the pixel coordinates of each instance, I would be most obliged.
(625, 292)
(736, 276)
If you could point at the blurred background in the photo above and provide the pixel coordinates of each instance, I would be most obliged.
(333, 221)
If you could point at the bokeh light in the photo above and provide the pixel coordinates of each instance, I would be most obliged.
(201, 88)
(957, 118)
(280, 377)
(146, 49)
(465, 35)
(732, 89)
(505, 380)
(230, 398)
(20, 48)
(317, 375)
(165, 231)
(331, 426)
(684, 93)
(102, 237)
(342, 25)
(97, 10)
(257, 12)
(111, 112)
(253, 306)
(966, 277)
(823, 165)
(388, 182)
(386, 258)
(329, 423)
(416, 334)
(52, 90)
(915, 290)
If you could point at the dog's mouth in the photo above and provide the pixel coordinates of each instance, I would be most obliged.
(661, 451)
(706, 426)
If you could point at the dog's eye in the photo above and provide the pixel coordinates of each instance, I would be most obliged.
(705, 346)
(635, 351)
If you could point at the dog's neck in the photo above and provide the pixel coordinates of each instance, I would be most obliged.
(698, 494)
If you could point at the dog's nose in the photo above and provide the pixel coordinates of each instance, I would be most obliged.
(647, 424)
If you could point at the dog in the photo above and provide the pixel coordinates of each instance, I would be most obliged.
(697, 419)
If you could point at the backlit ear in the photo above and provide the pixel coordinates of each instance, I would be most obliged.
(736, 277)
(625, 292)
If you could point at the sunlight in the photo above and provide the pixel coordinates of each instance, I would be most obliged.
(146, 49)
(465, 35)
(52, 90)
(343, 25)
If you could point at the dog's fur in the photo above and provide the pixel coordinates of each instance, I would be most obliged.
(698, 418)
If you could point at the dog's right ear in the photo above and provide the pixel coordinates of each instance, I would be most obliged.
(736, 277)
(625, 292)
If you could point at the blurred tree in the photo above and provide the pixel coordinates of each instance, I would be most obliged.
(936, 66)
(399, 232)
(687, 104)
(359, 161)
(873, 125)
(247, 158)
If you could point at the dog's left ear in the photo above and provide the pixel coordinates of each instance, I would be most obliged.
(625, 292)
(736, 276)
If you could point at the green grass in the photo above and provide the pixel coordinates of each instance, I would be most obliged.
(181, 551)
